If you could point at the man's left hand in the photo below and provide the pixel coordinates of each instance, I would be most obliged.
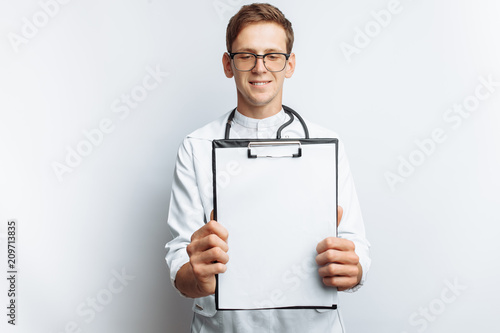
(339, 263)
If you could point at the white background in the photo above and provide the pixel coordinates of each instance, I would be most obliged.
(109, 214)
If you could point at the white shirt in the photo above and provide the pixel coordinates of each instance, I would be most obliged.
(192, 202)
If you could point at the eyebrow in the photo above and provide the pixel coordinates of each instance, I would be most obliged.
(265, 51)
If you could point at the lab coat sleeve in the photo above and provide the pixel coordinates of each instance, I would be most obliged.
(351, 226)
(186, 214)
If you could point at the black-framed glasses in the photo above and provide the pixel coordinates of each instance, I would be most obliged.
(246, 61)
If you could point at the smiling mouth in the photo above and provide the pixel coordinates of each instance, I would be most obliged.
(259, 83)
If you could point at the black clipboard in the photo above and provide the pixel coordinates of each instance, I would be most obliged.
(278, 199)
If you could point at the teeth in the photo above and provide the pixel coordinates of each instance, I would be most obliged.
(259, 83)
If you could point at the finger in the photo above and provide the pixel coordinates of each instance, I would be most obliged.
(216, 268)
(208, 270)
(206, 243)
(212, 215)
(338, 257)
(335, 243)
(334, 269)
(340, 282)
(209, 257)
(211, 227)
(337, 270)
(340, 212)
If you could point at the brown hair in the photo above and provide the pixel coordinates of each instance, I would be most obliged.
(255, 13)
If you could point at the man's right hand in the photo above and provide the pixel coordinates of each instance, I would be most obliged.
(207, 257)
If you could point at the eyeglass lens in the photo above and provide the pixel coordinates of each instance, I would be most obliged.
(274, 62)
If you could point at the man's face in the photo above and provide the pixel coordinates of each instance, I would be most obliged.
(259, 87)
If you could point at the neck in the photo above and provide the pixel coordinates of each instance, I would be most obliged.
(259, 111)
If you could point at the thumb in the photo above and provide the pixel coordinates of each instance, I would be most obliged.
(340, 212)
(212, 215)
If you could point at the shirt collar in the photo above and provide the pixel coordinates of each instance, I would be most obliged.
(248, 122)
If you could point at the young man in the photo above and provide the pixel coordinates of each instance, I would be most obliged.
(259, 41)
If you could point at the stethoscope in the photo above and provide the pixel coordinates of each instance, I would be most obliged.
(288, 111)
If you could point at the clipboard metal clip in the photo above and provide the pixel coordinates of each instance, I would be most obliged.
(280, 149)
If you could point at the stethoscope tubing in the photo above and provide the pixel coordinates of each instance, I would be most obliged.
(288, 111)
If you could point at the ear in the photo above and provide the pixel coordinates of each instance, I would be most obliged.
(226, 63)
(290, 67)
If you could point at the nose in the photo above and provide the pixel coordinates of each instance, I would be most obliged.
(259, 65)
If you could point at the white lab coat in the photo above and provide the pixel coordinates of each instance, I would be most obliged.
(192, 202)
